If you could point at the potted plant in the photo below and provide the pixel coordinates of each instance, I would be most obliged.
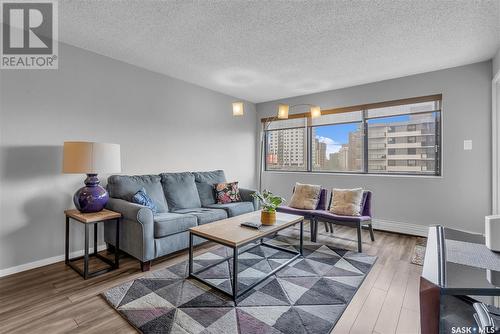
(269, 203)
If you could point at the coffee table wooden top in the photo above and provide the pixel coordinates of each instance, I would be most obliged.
(229, 232)
(93, 217)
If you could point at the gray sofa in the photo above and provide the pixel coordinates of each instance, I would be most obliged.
(183, 200)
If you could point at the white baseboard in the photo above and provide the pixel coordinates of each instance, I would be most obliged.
(400, 227)
(45, 262)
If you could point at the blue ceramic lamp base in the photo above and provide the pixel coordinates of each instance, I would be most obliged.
(92, 197)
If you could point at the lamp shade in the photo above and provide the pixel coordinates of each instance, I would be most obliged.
(283, 111)
(315, 111)
(238, 109)
(91, 158)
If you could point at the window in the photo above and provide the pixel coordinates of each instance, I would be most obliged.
(337, 143)
(286, 148)
(396, 137)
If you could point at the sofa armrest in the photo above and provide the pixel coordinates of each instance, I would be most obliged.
(132, 211)
(136, 229)
(246, 196)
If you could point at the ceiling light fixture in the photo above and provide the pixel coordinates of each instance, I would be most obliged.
(238, 109)
(315, 112)
(283, 111)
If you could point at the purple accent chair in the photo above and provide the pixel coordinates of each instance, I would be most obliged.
(308, 214)
(363, 221)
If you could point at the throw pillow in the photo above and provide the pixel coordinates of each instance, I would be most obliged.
(227, 192)
(346, 202)
(142, 198)
(305, 196)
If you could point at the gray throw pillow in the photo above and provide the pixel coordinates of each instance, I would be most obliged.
(180, 190)
(205, 182)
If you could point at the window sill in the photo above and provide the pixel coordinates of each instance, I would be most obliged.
(356, 174)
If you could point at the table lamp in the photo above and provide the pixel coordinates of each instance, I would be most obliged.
(91, 159)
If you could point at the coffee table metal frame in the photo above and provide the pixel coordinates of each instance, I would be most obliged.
(236, 252)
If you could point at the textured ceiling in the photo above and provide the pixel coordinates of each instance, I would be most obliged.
(264, 50)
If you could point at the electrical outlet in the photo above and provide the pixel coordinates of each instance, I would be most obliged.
(467, 145)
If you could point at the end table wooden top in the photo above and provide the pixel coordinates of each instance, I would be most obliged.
(92, 217)
(229, 232)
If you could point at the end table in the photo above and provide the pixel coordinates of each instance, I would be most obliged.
(89, 219)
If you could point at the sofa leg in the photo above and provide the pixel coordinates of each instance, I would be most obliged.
(145, 266)
(360, 247)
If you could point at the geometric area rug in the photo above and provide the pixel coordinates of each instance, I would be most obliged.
(307, 296)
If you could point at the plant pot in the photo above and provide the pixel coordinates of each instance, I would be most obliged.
(268, 218)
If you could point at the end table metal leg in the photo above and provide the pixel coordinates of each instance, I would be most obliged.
(66, 243)
(95, 238)
(301, 237)
(86, 256)
(117, 243)
(190, 253)
(235, 274)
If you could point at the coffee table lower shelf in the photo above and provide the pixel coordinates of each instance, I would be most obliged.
(236, 252)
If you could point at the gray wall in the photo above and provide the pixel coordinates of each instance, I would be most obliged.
(496, 63)
(462, 196)
(162, 124)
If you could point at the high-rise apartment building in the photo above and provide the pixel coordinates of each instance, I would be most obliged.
(285, 148)
(407, 146)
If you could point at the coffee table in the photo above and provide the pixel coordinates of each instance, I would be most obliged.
(229, 233)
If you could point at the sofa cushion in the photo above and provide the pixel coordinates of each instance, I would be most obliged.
(212, 177)
(168, 223)
(234, 209)
(180, 190)
(204, 215)
(205, 184)
(125, 187)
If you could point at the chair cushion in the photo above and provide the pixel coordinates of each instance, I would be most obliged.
(180, 190)
(294, 211)
(125, 187)
(305, 196)
(234, 209)
(327, 215)
(204, 215)
(168, 223)
(205, 184)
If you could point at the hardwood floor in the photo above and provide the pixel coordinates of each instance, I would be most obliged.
(55, 299)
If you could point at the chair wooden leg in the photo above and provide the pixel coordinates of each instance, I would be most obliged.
(372, 235)
(360, 247)
(326, 226)
(145, 266)
(331, 228)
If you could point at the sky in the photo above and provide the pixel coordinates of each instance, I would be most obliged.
(336, 135)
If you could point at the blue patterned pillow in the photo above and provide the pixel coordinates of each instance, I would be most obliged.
(142, 198)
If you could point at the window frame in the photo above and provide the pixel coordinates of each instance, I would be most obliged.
(308, 159)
